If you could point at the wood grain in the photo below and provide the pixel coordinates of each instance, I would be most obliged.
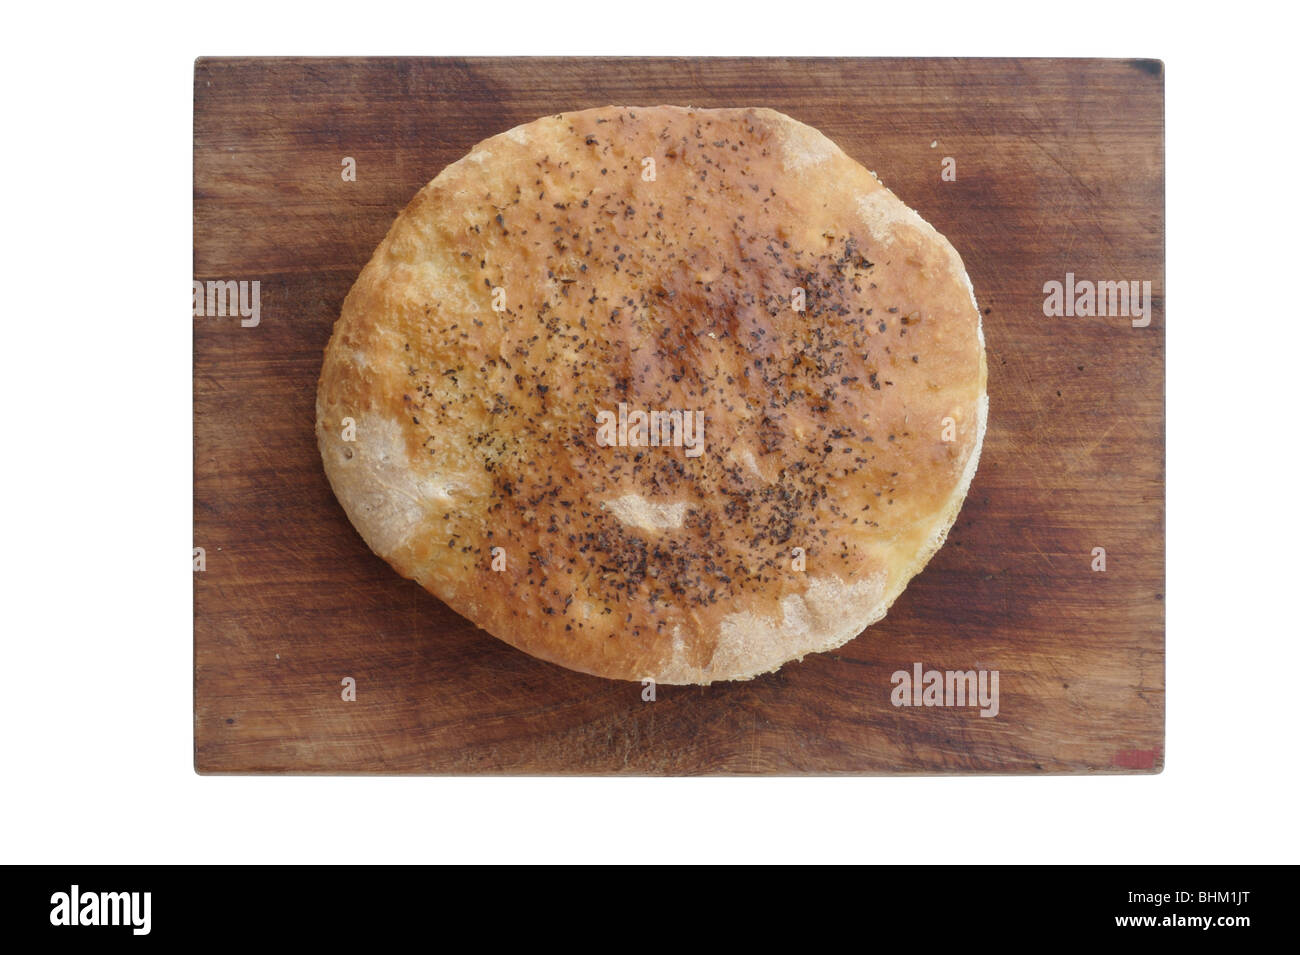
(1060, 168)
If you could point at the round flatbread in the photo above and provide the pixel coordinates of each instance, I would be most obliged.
(667, 393)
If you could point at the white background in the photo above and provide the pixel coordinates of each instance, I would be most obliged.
(96, 376)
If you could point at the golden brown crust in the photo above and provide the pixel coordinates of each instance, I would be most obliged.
(851, 429)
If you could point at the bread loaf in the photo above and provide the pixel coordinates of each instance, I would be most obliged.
(668, 393)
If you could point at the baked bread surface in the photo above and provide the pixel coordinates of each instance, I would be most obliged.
(652, 257)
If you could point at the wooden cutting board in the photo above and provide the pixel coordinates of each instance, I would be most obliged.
(1059, 169)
